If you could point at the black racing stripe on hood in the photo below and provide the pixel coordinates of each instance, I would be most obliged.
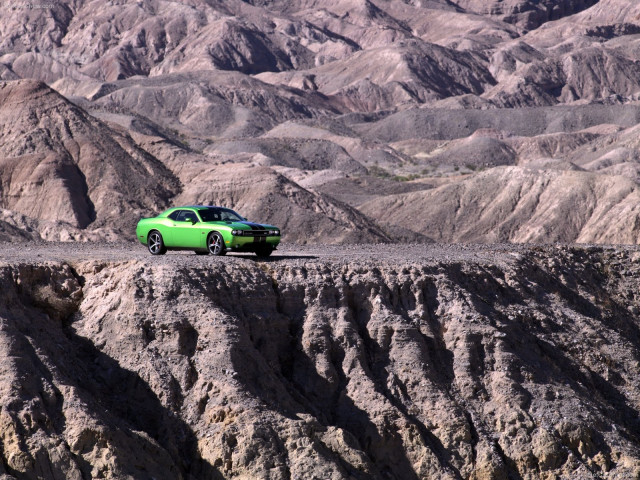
(254, 226)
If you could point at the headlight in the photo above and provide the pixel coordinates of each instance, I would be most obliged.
(274, 232)
(236, 232)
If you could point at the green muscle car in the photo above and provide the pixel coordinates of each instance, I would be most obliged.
(206, 230)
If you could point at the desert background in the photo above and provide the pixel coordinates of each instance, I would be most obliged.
(340, 121)
(456, 294)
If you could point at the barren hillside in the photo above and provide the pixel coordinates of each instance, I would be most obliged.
(59, 163)
(157, 99)
(514, 204)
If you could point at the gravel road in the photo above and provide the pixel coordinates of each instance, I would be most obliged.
(38, 252)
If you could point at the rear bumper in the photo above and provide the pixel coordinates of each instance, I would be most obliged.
(141, 235)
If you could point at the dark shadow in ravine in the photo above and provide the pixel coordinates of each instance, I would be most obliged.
(378, 362)
(526, 339)
(52, 352)
(19, 327)
(290, 398)
(558, 366)
(294, 386)
(133, 405)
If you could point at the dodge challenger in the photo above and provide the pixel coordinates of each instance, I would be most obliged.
(206, 230)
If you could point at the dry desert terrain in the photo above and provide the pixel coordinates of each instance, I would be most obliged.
(456, 292)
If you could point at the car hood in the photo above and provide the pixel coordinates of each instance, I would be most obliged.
(246, 225)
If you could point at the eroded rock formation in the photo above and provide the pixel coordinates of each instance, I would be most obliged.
(519, 364)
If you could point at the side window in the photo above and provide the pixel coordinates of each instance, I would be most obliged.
(210, 215)
(186, 216)
(174, 215)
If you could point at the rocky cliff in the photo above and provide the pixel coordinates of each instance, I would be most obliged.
(461, 363)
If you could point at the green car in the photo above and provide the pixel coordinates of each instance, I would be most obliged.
(206, 230)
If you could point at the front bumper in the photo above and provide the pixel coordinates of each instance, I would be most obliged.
(251, 244)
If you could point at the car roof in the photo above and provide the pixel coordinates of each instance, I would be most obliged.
(203, 206)
(169, 211)
(194, 206)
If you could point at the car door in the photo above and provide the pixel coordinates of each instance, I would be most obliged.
(170, 225)
(186, 230)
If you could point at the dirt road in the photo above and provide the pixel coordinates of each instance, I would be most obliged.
(35, 252)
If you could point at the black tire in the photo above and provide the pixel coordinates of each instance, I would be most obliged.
(155, 243)
(264, 252)
(215, 244)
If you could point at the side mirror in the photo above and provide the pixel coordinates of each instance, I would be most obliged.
(193, 221)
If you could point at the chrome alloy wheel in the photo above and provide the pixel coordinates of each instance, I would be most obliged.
(215, 244)
(155, 243)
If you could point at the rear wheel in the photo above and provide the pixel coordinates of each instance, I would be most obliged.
(264, 252)
(155, 243)
(215, 244)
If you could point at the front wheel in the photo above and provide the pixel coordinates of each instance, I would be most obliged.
(215, 244)
(155, 243)
(264, 252)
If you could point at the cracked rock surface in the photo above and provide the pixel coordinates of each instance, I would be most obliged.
(430, 361)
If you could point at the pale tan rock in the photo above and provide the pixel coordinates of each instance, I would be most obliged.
(261, 194)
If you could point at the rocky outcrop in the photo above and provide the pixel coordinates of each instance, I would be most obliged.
(58, 163)
(211, 105)
(519, 364)
(443, 124)
(527, 13)
(301, 154)
(392, 76)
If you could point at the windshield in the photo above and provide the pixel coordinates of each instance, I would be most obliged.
(216, 214)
